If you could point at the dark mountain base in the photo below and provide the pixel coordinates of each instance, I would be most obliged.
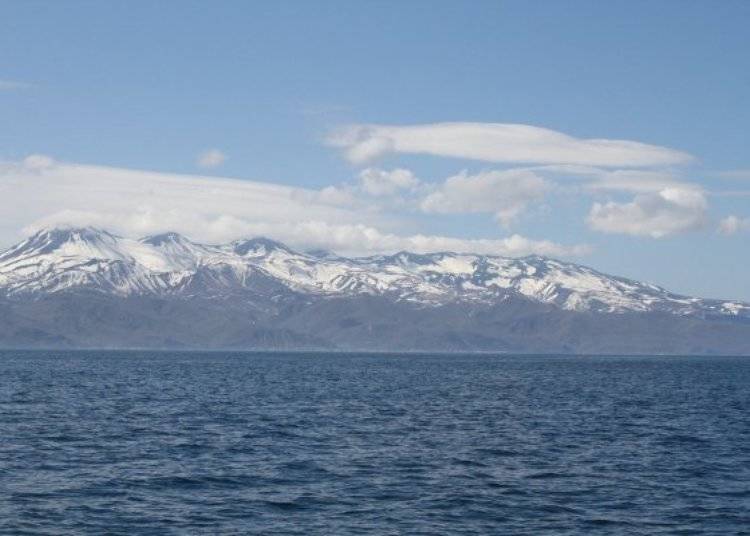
(356, 323)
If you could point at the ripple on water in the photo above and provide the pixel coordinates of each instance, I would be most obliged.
(229, 443)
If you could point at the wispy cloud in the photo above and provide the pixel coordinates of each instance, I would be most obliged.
(211, 158)
(732, 225)
(498, 142)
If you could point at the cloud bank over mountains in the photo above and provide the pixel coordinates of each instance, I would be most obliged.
(40, 192)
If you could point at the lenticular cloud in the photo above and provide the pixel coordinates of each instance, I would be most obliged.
(498, 142)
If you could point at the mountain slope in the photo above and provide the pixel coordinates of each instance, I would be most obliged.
(88, 287)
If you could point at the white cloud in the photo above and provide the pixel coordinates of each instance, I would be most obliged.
(40, 192)
(503, 193)
(498, 142)
(657, 214)
(733, 225)
(379, 182)
(211, 158)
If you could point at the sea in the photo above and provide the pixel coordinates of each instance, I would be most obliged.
(141, 442)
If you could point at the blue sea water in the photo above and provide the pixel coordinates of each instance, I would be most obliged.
(243, 443)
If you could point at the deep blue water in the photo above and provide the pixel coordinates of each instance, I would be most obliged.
(217, 443)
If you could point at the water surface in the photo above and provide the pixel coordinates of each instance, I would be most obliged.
(316, 444)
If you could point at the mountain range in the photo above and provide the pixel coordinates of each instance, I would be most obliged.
(89, 288)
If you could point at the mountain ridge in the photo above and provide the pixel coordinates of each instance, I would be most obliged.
(447, 300)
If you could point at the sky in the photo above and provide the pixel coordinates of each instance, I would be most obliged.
(612, 134)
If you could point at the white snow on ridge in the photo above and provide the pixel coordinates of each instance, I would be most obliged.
(733, 308)
(55, 260)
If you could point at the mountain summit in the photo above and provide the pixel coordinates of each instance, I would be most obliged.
(259, 293)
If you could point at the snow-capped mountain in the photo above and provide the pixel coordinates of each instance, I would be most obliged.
(90, 288)
(56, 261)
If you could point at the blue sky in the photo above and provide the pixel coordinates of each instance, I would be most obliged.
(317, 106)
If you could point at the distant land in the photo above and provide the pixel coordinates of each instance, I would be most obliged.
(89, 288)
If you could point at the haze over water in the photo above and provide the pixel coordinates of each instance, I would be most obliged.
(224, 443)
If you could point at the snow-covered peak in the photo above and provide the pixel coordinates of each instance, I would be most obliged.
(67, 241)
(183, 253)
(258, 247)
